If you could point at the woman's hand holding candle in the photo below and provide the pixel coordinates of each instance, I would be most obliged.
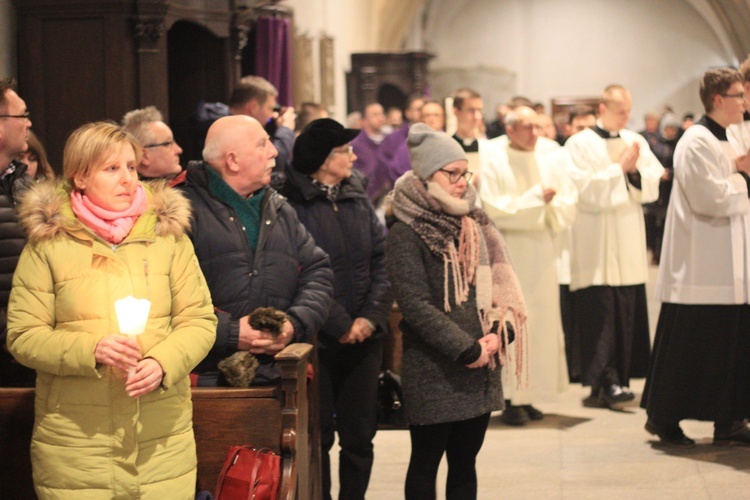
(118, 351)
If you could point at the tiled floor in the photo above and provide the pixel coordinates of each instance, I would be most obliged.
(581, 453)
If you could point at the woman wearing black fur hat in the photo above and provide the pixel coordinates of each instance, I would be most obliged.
(332, 203)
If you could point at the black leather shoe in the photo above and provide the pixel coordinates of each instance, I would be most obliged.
(670, 435)
(736, 434)
(612, 395)
(533, 413)
(593, 401)
(514, 415)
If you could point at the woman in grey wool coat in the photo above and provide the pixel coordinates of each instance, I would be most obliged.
(453, 281)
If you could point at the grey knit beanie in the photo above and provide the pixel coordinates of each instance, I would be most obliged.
(431, 150)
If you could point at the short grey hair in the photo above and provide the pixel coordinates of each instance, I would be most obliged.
(135, 122)
(211, 152)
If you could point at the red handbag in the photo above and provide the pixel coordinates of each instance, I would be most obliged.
(249, 474)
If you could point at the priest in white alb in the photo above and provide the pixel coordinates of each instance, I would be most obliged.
(615, 173)
(530, 199)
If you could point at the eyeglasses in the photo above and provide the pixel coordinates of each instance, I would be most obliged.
(454, 177)
(349, 150)
(161, 144)
(25, 116)
(736, 96)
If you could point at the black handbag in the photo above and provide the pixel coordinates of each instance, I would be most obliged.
(390, 401)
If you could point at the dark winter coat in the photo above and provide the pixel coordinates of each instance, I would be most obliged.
(350, 233)
(12, 242)
(287, 271)
(438, 387)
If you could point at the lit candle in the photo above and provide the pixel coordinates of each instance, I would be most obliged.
(132, 315)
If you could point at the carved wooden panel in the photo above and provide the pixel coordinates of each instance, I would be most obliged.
(327, 97)
(405, 72)
(303, 82)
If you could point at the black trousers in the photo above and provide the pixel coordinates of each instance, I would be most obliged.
(348, 405)
(611, 329)
(572, 351)
(460, 442)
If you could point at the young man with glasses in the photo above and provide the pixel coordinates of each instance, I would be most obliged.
(699, 368)
(15, 123)
(161, 154)
(529, 197)
(739, 133)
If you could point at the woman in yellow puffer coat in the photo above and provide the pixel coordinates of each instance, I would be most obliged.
(100, 432)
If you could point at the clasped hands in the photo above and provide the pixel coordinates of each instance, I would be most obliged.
(262, 342)
(629, 158)
(122, 352)
(490, 344)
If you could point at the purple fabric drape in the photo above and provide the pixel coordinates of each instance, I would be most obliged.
(273, 55)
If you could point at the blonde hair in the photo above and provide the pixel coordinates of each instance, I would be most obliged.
(88, 145)
(614, 93)
(44, 169)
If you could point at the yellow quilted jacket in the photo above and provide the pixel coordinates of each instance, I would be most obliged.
(91, 440)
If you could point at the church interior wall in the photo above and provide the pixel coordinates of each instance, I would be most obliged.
(538, 48)
(548, 48)
(349, 24)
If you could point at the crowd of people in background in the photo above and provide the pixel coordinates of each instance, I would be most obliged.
(517, 251)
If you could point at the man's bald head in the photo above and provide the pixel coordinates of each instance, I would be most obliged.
(224, 134)
(240, 150)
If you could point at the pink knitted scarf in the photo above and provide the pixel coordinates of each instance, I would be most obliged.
(110, 226)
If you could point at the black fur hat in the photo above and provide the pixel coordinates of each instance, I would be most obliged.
(316, 141)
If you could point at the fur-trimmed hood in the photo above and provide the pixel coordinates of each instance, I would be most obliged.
(45, 211)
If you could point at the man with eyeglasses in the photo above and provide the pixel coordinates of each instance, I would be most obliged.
(739, 133)
(527, 194)
(14, 128)
(615, 173)
(161, 153)
(699, 368)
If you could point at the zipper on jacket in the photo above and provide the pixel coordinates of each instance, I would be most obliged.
(145, 270)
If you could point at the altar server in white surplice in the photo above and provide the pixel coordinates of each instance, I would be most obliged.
(615, 173)
(738, 134)
(528, 196)
(699, 369)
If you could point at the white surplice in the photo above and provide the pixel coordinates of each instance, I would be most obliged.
(608, 238)
(705, 257)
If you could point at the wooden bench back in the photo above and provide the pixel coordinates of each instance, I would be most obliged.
(270, 417)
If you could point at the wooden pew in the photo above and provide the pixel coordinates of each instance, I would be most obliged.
(16, 424)
(274, 417)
